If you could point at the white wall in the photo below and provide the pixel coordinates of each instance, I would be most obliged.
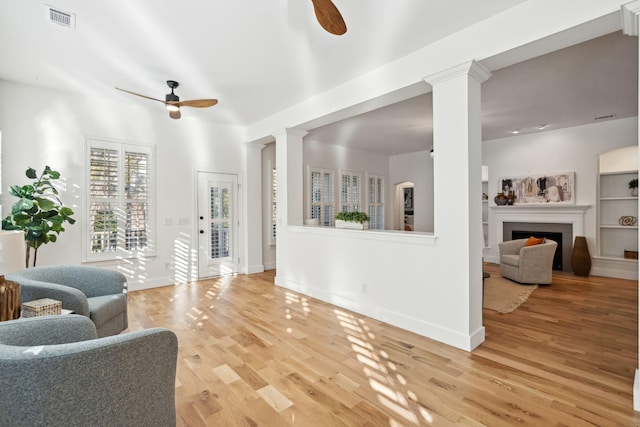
(45, 127)
(416, 168)
(572, 149)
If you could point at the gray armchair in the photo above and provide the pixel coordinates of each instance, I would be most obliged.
(54, 371)
(97, 293)
(527, 264)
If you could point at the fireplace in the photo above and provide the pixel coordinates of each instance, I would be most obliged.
(561, 233)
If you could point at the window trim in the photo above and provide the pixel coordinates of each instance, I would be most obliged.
(383, 204)
(273, 189)
(351, 175)
(120, 252)
(308, 193)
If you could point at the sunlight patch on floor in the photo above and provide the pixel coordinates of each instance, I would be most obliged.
(390, 386)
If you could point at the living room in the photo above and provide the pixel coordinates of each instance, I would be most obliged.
(406, 279)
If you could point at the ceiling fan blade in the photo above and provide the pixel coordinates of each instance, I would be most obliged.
(329, 17)
(175, 114)
(198, 103)
(142, 96)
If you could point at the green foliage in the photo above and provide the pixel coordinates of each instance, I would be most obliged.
(633, 183)
(360, 217)
(38, 212)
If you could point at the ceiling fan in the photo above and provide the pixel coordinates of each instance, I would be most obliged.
(172, 101)
(329, 17)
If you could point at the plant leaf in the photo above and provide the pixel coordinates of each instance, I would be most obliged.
(31, 173)
(45, 204)
(21, 205)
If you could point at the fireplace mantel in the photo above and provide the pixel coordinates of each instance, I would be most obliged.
(557, 213)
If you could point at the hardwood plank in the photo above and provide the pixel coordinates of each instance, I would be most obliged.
(253, 354)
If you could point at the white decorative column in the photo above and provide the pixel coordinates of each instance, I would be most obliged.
(253, 198)
(457, 176)
(289, 186)
(289, 176)
(630, 26)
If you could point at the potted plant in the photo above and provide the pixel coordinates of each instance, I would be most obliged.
(633, 185)
(39, 212)
(356, 220)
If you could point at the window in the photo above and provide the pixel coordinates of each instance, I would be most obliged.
(376, 202)
(351, 192)
(272, 236)
(320, 196)
(119, 200)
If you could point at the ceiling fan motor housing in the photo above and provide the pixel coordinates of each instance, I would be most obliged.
(172, 97)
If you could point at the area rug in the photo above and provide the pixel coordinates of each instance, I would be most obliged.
(503, 295)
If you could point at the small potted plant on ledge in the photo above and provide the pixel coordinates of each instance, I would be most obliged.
(356, 220)
(633, 186)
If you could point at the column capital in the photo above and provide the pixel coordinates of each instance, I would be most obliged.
(290, 132)
(630, 12)
(471, 68)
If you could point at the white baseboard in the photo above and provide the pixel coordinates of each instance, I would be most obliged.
(618, 268)
(491, 259)
(253, 269)
(270, 265)
(149, 284)
(420, 327)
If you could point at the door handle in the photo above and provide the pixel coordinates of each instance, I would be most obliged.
(201, 231)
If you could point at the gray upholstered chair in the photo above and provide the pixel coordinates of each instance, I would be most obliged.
(527, 264)
(55, 371)
(97, 293)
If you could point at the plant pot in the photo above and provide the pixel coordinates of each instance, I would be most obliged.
(634, 192)
(352, 225)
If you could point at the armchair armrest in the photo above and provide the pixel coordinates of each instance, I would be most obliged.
(537, 255)
(47, 330)
(72, 298)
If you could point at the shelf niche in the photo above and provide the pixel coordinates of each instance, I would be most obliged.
(615, 169)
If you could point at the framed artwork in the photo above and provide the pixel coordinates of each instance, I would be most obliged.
(542, 188)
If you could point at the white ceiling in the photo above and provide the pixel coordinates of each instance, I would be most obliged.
(568, 87)
(260, 57)
(256, 56)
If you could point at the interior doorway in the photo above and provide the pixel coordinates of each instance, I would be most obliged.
(403, 206)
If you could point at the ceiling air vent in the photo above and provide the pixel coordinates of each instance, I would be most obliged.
(59, 17)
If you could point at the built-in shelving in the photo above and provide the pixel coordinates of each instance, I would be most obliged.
(615, 201)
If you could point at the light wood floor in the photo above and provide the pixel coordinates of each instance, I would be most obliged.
(253, 354)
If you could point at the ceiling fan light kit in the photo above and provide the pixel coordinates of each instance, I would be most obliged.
(172, 101)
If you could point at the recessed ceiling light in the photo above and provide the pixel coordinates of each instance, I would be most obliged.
(540, 127)
(515, 131)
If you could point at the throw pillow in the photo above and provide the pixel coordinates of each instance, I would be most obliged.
(532, 241)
